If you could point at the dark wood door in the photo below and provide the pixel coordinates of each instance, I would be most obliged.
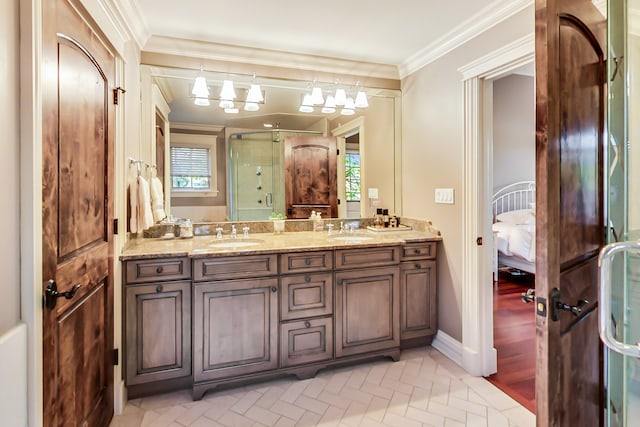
(77, 191)
(570, 112)
(310, 176)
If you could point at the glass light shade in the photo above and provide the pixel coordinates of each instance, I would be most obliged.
(349, 104)
(200, 89)
(341, 96)
(251, 106)
(347, 112)
(202, 102)
(307, 104)
(255, 94)
(329, 105)
(227, 93)
(361, 100)
(225, 104)
(231, 110)
(316, 96)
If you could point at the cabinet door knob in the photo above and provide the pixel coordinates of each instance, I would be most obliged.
(417, 251)
(307, 261)
(159, 270)
(418, 266)
(307, 324)
(159, 288)
(339, 283)
(274, 289)
(307, 279)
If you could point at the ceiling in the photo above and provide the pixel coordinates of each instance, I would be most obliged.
(374, 31)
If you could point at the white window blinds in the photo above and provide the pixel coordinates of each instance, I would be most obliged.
(190, 168)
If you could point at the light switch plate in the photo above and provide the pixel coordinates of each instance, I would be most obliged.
(373, 193)
(444, 195)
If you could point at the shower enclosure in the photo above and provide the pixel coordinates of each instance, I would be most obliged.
(256, 174)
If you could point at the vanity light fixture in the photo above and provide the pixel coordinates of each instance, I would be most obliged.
(255, 94)
(200, 89)
(329, 105)
(316, 95)
(307, 104)
(361, 98)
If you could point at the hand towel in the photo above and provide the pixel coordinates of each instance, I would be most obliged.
(133, 204)
(144, 200)
(157, 199)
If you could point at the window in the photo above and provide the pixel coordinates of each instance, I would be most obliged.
(352, 176)
(190, 169)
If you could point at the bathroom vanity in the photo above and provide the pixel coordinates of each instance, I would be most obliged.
(204, 312)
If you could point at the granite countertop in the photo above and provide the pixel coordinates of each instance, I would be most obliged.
(207, 246)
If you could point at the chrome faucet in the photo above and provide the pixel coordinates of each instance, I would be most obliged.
(341, 227)
(218, 232)
(234, 233)
(245, 232)
(329, 229)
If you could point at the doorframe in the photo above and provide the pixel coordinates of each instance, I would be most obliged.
(479, 357)
(342, 131)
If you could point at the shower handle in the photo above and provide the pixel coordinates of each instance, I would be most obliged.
(268, 198)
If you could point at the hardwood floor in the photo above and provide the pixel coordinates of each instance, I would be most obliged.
(514, 339)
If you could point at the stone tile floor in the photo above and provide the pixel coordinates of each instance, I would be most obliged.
(424, 388)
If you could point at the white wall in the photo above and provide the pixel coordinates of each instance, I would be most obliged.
(432, 153)
(514, 130)
(10, 170)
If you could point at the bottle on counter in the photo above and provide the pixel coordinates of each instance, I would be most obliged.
(385, 217)
(318, 223)
(377, 220)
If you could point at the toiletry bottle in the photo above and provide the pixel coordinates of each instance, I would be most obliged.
(377, 221)
(318, 223)
(385, 217)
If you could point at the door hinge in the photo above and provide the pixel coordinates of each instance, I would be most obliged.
(338, 201)
(116, 357)
(337, 152)
(115, 226)
(479, 241)
(116, 94)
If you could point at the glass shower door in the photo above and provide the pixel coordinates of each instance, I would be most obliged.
(620, 261)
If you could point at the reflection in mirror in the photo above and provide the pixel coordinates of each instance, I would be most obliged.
(268, 156)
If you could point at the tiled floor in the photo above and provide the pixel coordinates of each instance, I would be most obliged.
(423, 389)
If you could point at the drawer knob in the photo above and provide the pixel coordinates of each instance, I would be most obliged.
(307, 324)
(418, 266)
(159, 270)
(307, 279)
(417, 251)
(307, 261)
(339, 283)
(159, 288)
(274, 289)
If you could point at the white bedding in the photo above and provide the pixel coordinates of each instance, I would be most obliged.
(516, 239)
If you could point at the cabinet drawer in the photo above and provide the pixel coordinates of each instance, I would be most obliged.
(423, 250)
(159, 269)
(306, 341)
(367, 257)
(306, 261)
(306, 295)
(234, 267)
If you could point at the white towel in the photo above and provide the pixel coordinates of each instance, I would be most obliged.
(145, 215)
(133, 204)
(157, 199)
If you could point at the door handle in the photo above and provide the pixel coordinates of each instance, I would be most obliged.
(268, 199)
(51, 294)
(528, 296)
(605, 266)
(557, 305)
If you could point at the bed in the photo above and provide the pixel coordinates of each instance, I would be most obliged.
(514, 227)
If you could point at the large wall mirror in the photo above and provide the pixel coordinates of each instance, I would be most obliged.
(245, 158)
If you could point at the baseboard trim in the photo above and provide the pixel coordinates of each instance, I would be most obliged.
(448, 346)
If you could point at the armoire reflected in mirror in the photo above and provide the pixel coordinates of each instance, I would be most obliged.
(273, 158)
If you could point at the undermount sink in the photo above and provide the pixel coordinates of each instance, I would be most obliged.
(354, 238)
(233, 243)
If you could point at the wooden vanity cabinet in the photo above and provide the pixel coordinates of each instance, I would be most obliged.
(157, 320)
(418, 294)
(367, 310)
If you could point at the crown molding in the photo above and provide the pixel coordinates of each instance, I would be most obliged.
(517, 53)
(177, 127)
(490, 16)
(131, 17)
(265, 57)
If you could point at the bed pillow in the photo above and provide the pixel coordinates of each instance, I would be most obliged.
(521, 216)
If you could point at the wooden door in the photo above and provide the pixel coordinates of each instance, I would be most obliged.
(570, 112)
(77, 191)
(310, 176)
(367, 310)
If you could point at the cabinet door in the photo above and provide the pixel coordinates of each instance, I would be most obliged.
(235, 327)
(417, 299)
(367, 310)
(306, 341)
(158, 332)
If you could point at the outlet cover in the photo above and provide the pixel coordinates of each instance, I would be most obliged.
(444, 196)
